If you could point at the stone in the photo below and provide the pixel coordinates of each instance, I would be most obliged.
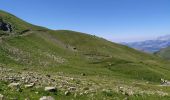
(165, 82)
(53, 80)
(72, 79)
(110, 64)
(10, 70)
(26, 81)
(48, 75)
(23, 78)
(29, 85)
(74, 48)
(1, 97)
(83, 74)
(162, 81)
(14, 85)
(50, 89)
(27, 99)
(47, 98)
(67, 93)
(13, 99)
(86, 88)
(72, 88)
(24, 69)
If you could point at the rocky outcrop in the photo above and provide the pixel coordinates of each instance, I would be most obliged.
(5, 26)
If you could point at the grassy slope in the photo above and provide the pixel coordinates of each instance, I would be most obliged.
(93, 55)
(49, 51)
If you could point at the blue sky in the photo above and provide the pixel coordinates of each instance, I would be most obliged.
(116, 20)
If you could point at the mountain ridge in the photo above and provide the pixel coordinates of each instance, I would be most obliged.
(151, 46)
(76, 64)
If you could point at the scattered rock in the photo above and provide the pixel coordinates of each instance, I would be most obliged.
(48, 75)
(24, 68)
(121, 89)
(14, 85)
(53, 80)
(72, 79)
(10, 70)
(165, 82)
(29, 85)
(1, 97)
(72, 89)
(81, 94)
(86, 88)
(74, 48)
(110, 64)
(50, 89)
(67, 93)
(23, 78)
(47, 98)
(13, 99)
(126, 98)
(83, 74)
(27, 99)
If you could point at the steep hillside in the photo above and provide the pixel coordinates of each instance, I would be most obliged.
(76, 62)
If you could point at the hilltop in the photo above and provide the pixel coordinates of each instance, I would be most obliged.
(76, 64)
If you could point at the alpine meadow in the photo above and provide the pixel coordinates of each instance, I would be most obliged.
(38, 63)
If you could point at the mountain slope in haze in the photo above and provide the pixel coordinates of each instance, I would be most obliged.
(151, 46)
(164, 53)
(77, 63)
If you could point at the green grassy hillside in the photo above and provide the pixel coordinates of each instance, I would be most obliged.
(95, 63)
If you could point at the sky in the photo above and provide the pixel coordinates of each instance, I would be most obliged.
(115, 20)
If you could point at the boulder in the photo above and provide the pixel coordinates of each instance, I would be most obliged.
(165, 82)
(1, 97)
(50, 89)
(29, 85)
(67, 93)
(47, 98)
(14, 85)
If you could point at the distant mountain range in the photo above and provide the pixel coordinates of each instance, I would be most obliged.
(151, 46)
